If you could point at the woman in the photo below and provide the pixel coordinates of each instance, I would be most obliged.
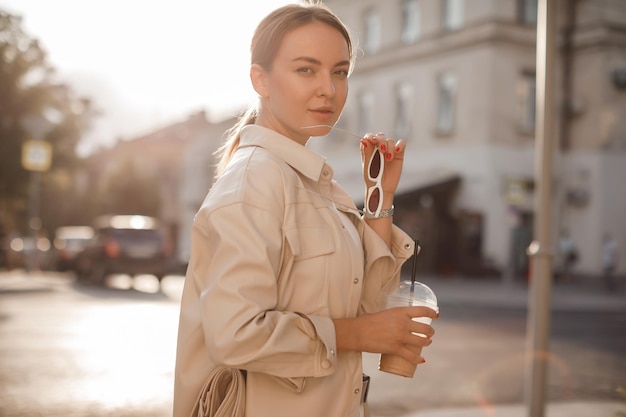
(286, 278)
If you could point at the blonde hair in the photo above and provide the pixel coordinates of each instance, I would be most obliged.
(265, 43)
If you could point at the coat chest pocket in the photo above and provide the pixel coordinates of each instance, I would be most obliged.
(306, 243)
(306, 288)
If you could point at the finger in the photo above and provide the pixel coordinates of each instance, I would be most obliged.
(387, 146)
(383, 143)
(421, 311)
(373, 138)
(400, 146)
(423, 331)
(395, 149)
(366, 142)
(369, 142)
(367, 146)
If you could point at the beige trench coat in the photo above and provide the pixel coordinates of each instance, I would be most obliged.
(277, 250)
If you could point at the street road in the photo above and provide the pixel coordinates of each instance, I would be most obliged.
(478, 359)
(72, 350)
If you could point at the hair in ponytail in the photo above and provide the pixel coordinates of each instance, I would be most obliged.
(228, 148)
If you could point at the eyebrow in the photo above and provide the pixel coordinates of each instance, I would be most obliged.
(318, 62)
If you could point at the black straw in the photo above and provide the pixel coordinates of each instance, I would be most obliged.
(414, 270)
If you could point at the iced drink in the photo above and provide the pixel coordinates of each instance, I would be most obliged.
(421, 295)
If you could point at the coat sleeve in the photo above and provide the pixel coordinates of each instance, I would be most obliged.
(382, 266)
(236, 277)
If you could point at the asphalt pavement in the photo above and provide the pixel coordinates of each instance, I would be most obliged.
(576, 295)
(586, 294)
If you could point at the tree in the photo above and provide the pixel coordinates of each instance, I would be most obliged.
(29, 92)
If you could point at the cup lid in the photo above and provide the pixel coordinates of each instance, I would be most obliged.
(420, 291)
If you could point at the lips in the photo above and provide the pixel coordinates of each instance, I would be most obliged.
(325, 112)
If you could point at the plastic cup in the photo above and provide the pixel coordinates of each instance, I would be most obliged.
(421, 295)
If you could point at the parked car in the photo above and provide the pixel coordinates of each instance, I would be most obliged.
(68, 242)
(124, 244)
(29, 252)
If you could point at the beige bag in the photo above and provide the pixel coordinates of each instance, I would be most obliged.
(222, 395)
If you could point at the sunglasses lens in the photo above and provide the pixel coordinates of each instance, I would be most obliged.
(375, 164)
(372, 202)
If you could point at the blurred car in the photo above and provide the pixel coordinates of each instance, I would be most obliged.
(68, 242)
(29, 252)
(124, 244)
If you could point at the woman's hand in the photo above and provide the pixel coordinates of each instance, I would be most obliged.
(388, 331)
(393, 155)
(386, 182)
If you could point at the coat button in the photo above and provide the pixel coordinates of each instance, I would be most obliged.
(407, 246)
(356, 390)
(326, 364)
(356, 280)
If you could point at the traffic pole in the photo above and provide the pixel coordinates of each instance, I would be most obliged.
(540, 250)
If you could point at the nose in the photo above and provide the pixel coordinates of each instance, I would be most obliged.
(326, 85)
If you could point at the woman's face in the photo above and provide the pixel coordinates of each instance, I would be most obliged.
(307, 84)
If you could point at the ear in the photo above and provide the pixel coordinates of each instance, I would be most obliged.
(258, 76)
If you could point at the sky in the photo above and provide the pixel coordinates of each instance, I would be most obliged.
(147, 63)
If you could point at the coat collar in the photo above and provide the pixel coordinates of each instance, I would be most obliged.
(297, 156)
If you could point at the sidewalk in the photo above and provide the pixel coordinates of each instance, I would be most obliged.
(570, 296)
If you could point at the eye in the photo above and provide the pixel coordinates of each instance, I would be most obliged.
(305, 70)
(343, 73)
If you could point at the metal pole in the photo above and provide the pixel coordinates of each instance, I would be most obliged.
(538, 326)
(34, 222)
(36, 157)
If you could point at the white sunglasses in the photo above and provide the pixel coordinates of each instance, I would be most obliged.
(374, 194)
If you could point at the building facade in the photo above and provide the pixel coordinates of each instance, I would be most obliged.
(456, 79)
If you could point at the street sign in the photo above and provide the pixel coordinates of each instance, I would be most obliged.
(36, 155)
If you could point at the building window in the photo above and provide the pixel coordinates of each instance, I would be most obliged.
(366, 112)
(526, 96)
(527, 10)
(447, 103)
(403, 111)
(372, 31)
(452, 14)
(411, 28)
